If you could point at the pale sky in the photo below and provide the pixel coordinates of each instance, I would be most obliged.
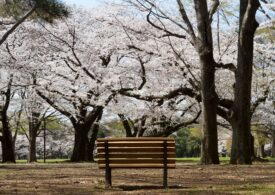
(84, 3)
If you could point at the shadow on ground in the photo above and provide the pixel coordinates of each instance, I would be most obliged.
(143, 187)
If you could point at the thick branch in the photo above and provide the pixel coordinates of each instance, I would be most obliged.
(222, 113)
(213, 9)
(184, 124)
(229, 66)
(172, 94)
(171, 129)
(259, 101)
(226, 103)
(59, 109)
(185, 18)
(13, 28)
(93, 115)
(143, 74)
(126, 125)
(7, 96)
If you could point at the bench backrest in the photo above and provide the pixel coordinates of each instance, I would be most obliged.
(144, 152)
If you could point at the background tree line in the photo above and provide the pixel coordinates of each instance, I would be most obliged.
(157, 68)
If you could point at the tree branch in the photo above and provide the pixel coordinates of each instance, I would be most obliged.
(213, 9)
(229, 66)
(172, 94)
(13, 28)
(59, 109)
(126, 125)
(163, 29)
(259, 101)
(185, 18)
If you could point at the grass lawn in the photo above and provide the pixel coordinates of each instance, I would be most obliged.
(197, 160)
(47, 161)
(187, 178)
(223, 160)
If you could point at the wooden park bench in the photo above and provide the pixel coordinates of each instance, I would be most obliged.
(143, 152)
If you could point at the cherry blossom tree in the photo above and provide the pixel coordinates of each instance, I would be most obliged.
(202, 40)
(14, 14)
(84, 70)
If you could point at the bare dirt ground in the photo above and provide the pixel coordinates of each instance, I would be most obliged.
(86, 178)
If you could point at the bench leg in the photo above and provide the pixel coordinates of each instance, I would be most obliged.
(165, 185)
(108, 177)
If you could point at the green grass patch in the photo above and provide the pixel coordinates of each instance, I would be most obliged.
(197, 160)
(47, 161)
(271, 159)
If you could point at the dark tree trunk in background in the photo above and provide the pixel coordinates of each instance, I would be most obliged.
(6, 138)
(7, 144)
(32, 150)
(261, 152)
(241, 113)
(204, 46)
(209, 148)
(82, 126)
(94, 134)
(81, 151)
(34, 125)
(133, 129)
(126, 125)
(273, 144)
(82, 123)
(252, 146)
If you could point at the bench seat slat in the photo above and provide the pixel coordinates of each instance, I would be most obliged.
(136, 161)
(137, 139)
(137, 155)
(170, 166)
(136, 144)
(135, 149)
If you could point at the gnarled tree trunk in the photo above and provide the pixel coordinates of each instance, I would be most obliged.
(241, 113)
(81, 151)
(204, 46)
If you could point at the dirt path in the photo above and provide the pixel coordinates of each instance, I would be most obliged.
(88, 179)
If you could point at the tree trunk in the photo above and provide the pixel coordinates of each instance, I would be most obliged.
(6, 138)
(209, 148)
(7, 147)
(34, 125)
(241, 145)
(81, 151)
(273, 144)
(204, 46)
(7, 143)
(252, 145)
(241, 152)
(261, 152)
(32, 150)
(126, 125)
(92, 141)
